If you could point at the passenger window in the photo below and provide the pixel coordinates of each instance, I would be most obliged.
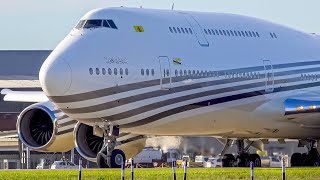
(91, 71)
(170, 29)
(228, 32)
(209, 31)
(250, 34)
(231, 33)
(127, 71)
(243, 34)
(213, 32)
(235, 33)
(254, 34)
(205, 31)
(174, 29)
(168, 73)
(247, 34)
(176, 72)
(180, 72)
(189, 72)
(220, 32)
(239, 33)
(224, 32)
(271, 35)
(103, 71)
(190, 31)
(274, 35)
(217, 32)
(147, 72)
(115, 71)
(142, 72)
(109, 71)
(182, 30)
(152, 72)
(186, 30)
(185, 72)
(257, 34)
(112, 24)
(97, 71)
(105, 24)
(95, 23)
(121, 71)
(179, 30)
(194, 72)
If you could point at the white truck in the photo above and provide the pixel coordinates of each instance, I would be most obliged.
(150, 157)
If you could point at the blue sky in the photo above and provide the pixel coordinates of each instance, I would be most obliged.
(42, 24)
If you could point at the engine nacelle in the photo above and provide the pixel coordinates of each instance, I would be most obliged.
(45, 129)
(88, 145)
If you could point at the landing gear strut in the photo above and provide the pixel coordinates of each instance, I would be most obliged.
(312, 158)
(109, 157)
(244, 157)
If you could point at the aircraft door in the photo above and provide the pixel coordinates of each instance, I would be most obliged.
(165, 72)
(269, 76)
(197, 29)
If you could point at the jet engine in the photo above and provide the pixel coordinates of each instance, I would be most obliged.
(45, 129)
(88, 144)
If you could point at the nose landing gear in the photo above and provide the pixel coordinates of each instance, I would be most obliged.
(109, 157)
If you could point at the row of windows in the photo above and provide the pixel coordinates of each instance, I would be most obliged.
(147, 72)
(96, 23)
(247, 75)
(103, 71)
(310, 77)
(180, 30)
(219, 32)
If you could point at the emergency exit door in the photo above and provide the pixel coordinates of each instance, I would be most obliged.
(165, 72)
(269, 76)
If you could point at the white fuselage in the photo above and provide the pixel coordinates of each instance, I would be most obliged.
(222, 75)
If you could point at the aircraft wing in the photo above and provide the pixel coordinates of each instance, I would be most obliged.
(24, 96)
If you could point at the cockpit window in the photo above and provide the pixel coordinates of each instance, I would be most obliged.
(96, 23)
(106, 24)
(92, 24)
(80, 24)
(112, 24)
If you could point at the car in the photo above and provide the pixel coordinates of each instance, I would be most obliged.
(213, 162)
(64, 165)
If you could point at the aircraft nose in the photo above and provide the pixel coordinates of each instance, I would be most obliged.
(55, 77)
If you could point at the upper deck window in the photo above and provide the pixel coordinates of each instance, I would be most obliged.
(92, 24)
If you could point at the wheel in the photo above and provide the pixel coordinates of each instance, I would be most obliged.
(102, 161)
(312, 158)
(116, 159)
(243, 160)
(228, 160)
(255, 158)
(296, 160)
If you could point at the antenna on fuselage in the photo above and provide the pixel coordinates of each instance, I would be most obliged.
(172, 7)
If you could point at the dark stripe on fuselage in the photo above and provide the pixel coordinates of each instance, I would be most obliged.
(213, 102)
(171, 101)
(139, 85)
(152, 94)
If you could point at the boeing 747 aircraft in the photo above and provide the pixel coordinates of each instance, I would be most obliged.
(123, 74)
